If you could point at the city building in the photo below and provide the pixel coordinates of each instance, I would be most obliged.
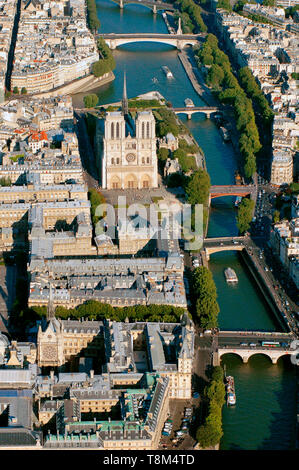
(54, 46)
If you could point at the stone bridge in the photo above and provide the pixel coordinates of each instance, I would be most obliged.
(248, 344)
(214, 245)
(176, 40)
(206, 110)
(153, 5)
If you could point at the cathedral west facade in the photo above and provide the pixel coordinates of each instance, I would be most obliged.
(129, 153)
(129, 159)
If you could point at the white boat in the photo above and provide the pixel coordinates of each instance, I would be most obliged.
(167, 71)
(225, 134)
(189, 103)
(238, 200)
(230, 275)
(154, 80)
(230, 391)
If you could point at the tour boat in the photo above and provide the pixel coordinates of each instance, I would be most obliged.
(167, 72)
(230, 275)
(225, 134)
(230, 391)
(189, 103)
(238, 200)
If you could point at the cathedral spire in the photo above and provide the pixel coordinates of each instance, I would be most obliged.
(50, 308)
(125, 107)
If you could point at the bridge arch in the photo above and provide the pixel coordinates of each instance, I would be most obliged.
(246, 354)
(225, 353)
(262, 353)
(189, 112)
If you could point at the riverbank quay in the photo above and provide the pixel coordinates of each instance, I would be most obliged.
(189, 69)
(80, 85)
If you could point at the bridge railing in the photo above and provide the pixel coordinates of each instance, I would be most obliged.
(219, 239)
(255, 333)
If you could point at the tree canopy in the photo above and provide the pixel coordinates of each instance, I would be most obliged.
(205, 295)
(92, 17)
(90, 101)
(244, 217)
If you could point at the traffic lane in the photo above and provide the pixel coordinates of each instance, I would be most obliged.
(271, 281)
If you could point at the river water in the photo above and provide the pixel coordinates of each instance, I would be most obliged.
(264, 417)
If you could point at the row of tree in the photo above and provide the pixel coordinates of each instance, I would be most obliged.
(221, 78)
(106, 62)
(209, 434)
(94, 310)
(205, 295)
(245, 213)
(254, 91)
(193, 10)
(92, 17)
(225, 4)
(95, 199)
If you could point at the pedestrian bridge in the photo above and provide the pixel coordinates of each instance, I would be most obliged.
(206, 110)
(176, 40)
(153, 5)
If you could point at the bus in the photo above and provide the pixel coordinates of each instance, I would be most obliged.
(271, 344)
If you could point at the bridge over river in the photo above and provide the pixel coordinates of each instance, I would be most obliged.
(248, 343)
(232, 190)
(152, 4)
(206, 110)
(176, 40)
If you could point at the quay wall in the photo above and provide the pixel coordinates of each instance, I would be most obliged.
(79, 86)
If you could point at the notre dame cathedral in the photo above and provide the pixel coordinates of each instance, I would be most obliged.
(129, 154)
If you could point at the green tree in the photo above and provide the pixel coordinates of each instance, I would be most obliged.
(205, 293)
(276, 216)
(244, 216)
(90, 101)
(96, 199)
(15, 90)
(163, 154)
(24, 91)
(198, 187)
(92, 17)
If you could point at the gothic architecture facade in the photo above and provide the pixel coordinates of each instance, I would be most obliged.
(129, 156)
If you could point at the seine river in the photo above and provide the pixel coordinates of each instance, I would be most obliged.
(264, 417)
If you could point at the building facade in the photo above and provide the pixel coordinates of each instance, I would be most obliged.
(129, 161)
